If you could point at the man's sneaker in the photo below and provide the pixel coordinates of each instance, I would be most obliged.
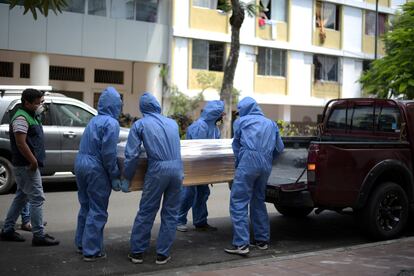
(11, 236)
(94, 258)
(262, 245)
(46, 240)
(182, 228)
(136, 258)
(239, 250)
(161, 259)
(205, 228)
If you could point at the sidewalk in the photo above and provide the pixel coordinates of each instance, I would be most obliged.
(395, 257)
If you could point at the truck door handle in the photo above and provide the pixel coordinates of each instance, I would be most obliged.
(69, 134)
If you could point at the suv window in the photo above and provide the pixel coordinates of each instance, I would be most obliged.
(337, 120)
(363, 118)
(389, 119)
(71, 115)
(45, 116)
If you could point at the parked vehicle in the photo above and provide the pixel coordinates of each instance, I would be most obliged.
(63, 122)
(362, 162)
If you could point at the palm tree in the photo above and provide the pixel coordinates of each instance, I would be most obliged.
(43, 6)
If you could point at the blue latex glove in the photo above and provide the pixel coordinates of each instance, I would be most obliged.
(116, 184)
(125, 186)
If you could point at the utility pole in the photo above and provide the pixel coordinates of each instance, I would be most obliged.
(376, 31)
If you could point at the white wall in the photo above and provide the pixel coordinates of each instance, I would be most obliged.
(244, 77)
(182, 14)
(352, 70)
(396, 4)
(180, 64)
(352, 29)
(301, 22)
(85, 35)
(300, 73)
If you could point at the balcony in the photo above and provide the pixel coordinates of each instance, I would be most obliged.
(368, 45)
(385, 3)
(332, 39)
(268, 33)
(326, 90)
(209, 20)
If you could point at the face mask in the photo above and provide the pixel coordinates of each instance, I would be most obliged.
(40, 109)
(219, 121)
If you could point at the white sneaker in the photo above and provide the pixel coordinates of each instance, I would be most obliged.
(239, 250)
(182, 228)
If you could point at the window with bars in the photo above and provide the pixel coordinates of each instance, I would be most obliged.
(109, 76)
(208, 55)
(77, 6)
(271, 62)
(6, 69)
(326, 68)
(370, 23)
(63, 73)
(24, 70)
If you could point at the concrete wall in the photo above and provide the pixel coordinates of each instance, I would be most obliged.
(352, 29)
(86, 35)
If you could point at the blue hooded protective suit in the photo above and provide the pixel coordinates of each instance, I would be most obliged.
(163, 178)
(197, 196)
(256, 143)
(95, 167)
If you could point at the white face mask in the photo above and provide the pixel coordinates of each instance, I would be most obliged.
(40, 109)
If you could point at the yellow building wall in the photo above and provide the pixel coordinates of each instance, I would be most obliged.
(368, 44)
(270, 85)
(208, 20)
(332, 40)
(265, 32)
(385, 3)
(326, 90)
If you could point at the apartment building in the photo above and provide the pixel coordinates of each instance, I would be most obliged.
(294, 57)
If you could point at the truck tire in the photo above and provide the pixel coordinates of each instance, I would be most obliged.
(386, 213)
(295, 212)
(6, 175)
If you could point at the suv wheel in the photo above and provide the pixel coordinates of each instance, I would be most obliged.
(295, 212)
(386, 213)
(6, 175)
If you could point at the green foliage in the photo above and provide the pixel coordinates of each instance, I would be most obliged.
(181, 104)
(394, 73)
(251, 7)
(43, 6)
(183, 122)
(207, 79)
(296, 129)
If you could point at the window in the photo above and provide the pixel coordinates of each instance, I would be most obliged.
(326, 68)
(337, 119)
(97, 7)
(6, 69)
(109, 76)
(66, 73)
(124, 9)
(77, 6)
(271, 62)
(327, 15)
(209, 4)
(72, 94)
(366, 64)
(147, 10)
(389, 120)
(363, 118)
(208, 55)
(370, 23)
(71, 115)
(275, 9)
(24, 70)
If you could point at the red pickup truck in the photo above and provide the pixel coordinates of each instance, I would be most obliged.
(360, 163)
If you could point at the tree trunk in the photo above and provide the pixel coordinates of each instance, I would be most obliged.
(236, 21)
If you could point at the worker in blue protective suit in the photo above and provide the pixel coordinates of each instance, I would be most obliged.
(196, 196)
(96, 170)
(256, 144)
(161, 140)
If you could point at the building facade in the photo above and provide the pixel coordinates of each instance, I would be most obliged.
(294, 57)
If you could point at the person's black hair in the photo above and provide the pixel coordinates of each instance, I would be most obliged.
(30, 95)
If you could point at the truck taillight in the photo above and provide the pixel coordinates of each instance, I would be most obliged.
(312, 156)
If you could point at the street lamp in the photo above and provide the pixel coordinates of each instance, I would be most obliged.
(376, 30)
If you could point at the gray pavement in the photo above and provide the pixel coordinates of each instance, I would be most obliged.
(191, 250)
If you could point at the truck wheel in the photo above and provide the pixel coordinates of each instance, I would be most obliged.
(6, 175)
(295, 212)
(386, 213)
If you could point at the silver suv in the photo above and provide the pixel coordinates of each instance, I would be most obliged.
(64, 121)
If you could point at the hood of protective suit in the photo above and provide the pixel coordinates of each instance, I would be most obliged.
(248, 106)
(148, 104)
(110, 103)
(212, 110)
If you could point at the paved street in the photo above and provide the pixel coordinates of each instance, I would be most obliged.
(192, 249)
